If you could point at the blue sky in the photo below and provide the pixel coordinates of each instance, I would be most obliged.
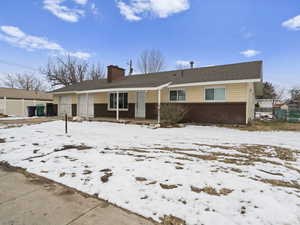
(210, 32)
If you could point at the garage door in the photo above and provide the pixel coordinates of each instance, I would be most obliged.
(85, 105)
(65, 105)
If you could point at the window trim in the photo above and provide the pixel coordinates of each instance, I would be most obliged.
(108, 101)
(177, 89)
(215, 87)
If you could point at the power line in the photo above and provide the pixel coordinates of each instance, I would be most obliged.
(17, 64)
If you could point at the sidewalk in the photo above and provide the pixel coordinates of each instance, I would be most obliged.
(29, 200)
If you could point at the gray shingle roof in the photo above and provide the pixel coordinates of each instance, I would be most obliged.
(13, 93)
(239, 71)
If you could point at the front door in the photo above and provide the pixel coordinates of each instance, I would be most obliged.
(140, 106)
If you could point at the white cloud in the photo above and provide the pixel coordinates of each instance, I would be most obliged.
(81, 2)
(135, 10)
(293, 23)
(128, 12)
(250, 53)
(16, 37)
(183, 63)
(64, 12)
(94, 9)
(80, 55)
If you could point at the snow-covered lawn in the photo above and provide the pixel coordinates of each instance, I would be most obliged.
(203, 175)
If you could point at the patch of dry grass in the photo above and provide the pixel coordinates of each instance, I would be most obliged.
(140, 179)
(281, 183)
(266, 126)
(211, 191)
(172, 220)
(166, 186)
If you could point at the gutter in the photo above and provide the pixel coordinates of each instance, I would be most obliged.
(114, 90)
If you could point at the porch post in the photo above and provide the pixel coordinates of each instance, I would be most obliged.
(23, 108)
(87, 105)
(117, 112)
(158, 108)
(4, 105)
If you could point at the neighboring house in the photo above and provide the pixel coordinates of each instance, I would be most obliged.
(14, 102)
(264, 107)
(216, 94)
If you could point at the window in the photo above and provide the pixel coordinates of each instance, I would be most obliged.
(123, 101)
(215, 94)
(177, 95)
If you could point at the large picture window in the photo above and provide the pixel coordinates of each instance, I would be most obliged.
(215, 94)
(177, 95)
(123, 101)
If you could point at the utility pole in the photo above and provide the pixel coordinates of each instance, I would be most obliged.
(130, 68)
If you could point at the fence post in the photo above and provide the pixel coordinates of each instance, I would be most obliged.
(66, 123)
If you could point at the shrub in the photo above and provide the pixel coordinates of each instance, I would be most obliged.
(172, 113)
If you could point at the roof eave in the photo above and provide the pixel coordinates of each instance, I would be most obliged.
(115, 90)
(215, 82)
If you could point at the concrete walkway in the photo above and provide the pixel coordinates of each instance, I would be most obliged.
(29, 200)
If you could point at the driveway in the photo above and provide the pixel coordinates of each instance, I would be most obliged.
(31, 200)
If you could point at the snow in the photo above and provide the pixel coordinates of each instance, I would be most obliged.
(132, 151)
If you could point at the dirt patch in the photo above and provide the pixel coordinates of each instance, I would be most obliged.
(135, 150)
(275, 174)
(285, 154)
(166, 186)
(211, 191)
(6, 167)
(31, 121)
(105, 170)
(78, 147)
(86, 172)
(280, 183)
(62, 174)
(172, 220)
(106, 177)
(266, 126)
(152, 183)
(66, 192)
(2, 140)
(140, 179)
(237, 170)
(179, 168)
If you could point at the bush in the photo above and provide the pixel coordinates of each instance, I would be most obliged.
(172, 113)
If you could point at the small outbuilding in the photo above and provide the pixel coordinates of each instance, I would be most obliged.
(15, 102)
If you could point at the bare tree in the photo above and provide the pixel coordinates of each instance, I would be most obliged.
(96, 72)
(280, 92)
(67, 70)
(26, 81)
(9, 81)
(295, 94)
(150, 61)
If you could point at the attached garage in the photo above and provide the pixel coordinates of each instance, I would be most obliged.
(65, 105)
(85, 105)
